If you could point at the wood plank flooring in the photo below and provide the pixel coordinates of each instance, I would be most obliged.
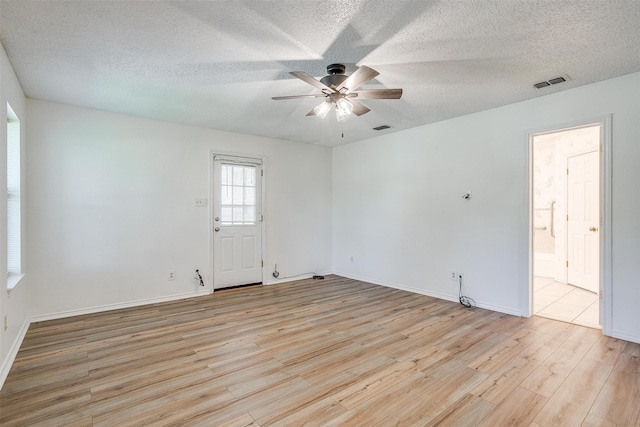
(336, 352)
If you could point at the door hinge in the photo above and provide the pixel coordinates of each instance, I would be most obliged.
(567, 171)
(567, 263)
(261, 172)
(261, 218)
(567, 217)
(262, 263)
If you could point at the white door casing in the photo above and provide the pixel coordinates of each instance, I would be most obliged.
(237, 221)
(583, 221)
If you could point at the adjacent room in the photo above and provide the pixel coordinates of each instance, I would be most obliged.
(361, 212)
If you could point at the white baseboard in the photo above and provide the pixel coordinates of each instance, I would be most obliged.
(294, 278)
(446, 297)
(13, 352)
(96, 309)
(625, 336)
(107, 307)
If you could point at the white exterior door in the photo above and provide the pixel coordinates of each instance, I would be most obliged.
(237, 221)
(583, 221)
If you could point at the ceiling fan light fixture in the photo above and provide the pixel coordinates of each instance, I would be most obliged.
(340, 117)
(344, 106)
(336, 89)
(322, 109)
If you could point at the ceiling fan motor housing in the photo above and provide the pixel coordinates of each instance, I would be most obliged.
(336, 69)
(336, 75)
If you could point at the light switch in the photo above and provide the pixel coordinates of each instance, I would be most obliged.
(200, 202)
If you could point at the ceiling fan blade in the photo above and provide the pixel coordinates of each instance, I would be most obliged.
(358, 78)
(358, 108)
(315, 95)
(312, 81)
(377, 94)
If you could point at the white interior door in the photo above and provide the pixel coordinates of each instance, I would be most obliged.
(583, 221)
(237, 221)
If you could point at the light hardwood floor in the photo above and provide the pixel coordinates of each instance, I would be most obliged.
(337, 352)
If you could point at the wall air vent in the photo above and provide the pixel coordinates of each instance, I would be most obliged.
(383, 127)
(550, 82)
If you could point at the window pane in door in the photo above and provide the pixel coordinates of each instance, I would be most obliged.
(226, 197)
(250, 177)
(237, 195)
(249, 196)
(227, 215)
(238, 175)
(238, 199)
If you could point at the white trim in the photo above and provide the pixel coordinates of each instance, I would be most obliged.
(13, 280)
(626, 337)
(605, 213)
(108, 307)
(606, 264)
(527, 306)
(13, 352)
(244, 160)
(438, 295)
(293, 278)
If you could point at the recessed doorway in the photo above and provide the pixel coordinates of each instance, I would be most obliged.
(566, 224)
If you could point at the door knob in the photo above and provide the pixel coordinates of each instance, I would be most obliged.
(217, 218)
(216, 229)
(593, 229)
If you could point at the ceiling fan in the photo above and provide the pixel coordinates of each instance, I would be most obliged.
(339, 91)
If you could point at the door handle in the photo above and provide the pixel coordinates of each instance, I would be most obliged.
(594, 229)
(217, 218)
(216, 229)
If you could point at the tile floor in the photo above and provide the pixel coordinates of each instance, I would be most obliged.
(568, 303)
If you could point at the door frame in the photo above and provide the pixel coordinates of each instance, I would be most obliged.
(212, 183)
(605, 214)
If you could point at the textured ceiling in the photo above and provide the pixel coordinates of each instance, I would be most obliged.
(218, 63)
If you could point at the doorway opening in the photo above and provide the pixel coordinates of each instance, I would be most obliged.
(566, 221)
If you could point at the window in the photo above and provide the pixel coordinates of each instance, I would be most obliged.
(238, 199)
(14, 264)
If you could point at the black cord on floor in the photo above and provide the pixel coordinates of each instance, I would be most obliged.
(464, 300)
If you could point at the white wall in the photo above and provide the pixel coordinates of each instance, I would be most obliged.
(398, 208)
(12, 305)
(111, 207)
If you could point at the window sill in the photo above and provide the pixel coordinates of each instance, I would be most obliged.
(13, 281)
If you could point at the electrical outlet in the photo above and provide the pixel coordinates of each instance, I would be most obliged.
(453, 275)
(171, 275)
(200, 202)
